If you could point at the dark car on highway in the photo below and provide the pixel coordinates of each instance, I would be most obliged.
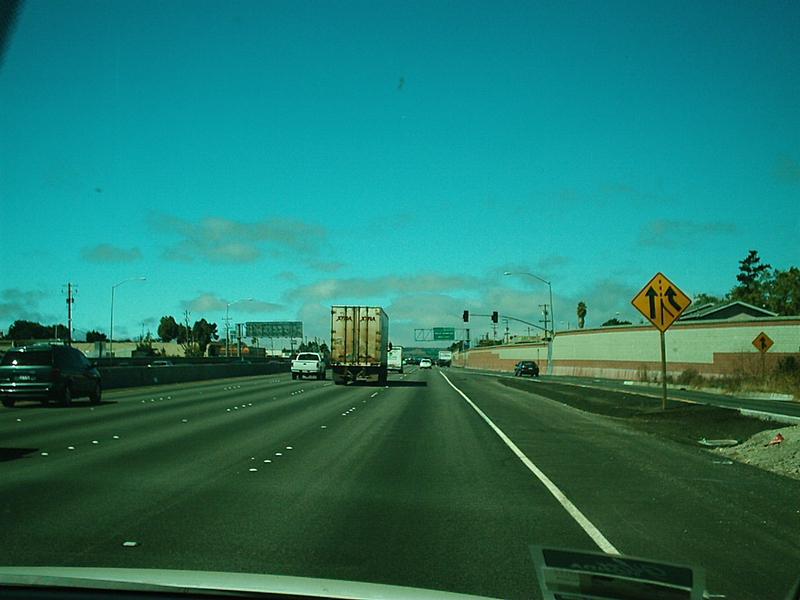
(526, 367)
(47, 373)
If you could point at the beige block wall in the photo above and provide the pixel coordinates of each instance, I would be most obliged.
(711, 348)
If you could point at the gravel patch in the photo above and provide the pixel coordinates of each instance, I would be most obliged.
(782, 458)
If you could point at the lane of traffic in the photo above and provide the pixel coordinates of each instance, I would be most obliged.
(31, 424)
(155, 461)
(655, 498)
(405, 460)
(410, 460)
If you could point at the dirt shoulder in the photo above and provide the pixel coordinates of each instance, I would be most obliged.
(684, 423)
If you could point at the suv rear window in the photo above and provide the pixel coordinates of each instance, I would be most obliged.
(34, 358)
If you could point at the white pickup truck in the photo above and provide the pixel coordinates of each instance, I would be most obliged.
(308, 364)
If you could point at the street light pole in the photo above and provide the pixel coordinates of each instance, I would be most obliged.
(111, 329)
(228, 324)
(552, 312)
(552, 320)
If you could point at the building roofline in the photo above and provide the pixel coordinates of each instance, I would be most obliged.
(708, 309)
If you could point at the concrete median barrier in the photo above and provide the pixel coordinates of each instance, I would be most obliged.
(137, 376)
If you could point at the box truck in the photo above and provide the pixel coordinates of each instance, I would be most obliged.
(396, 359)
(359, 344)
(445, 358)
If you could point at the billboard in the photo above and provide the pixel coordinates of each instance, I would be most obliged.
(274, 329)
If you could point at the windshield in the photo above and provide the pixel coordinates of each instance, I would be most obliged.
(584, 214)
(30, 358)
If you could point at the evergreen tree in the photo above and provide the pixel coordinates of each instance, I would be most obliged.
(753, 278)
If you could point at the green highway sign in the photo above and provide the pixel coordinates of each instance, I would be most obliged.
(444, 333)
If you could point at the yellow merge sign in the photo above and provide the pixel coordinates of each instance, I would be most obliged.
(661, 301)
(762, 342)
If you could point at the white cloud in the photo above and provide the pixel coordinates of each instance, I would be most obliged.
(208, 305)
(220, 240)
(356, 289)
(106, 253)
(16, 304)
(605, 299)
(666, 233)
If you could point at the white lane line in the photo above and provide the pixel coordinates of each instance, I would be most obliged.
(573, 510)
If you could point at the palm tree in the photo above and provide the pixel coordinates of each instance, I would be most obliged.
(581, 314)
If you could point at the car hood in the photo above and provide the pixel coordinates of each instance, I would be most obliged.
(166, 580)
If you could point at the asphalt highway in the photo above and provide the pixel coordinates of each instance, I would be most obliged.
(422, 482)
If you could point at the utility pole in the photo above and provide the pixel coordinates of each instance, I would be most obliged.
(70, 302)
(544, 313)
(227, 320)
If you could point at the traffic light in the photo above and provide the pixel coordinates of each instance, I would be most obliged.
(495, 317)
(466, 316)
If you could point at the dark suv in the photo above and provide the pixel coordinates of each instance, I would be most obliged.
(47, 373)
(526, 367)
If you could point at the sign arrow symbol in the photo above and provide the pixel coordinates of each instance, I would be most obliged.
(670, 294)
(651, 294)
(763, 342)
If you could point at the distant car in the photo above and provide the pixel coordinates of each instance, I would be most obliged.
(48, 372)
(425, 363)
(526, 367)
(161, 363)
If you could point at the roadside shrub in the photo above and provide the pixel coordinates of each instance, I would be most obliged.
(732, 383)
(786, 376)
(788, 365)
(745, 376)
(691, 378)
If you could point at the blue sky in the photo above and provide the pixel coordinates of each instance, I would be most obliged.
(404, 154)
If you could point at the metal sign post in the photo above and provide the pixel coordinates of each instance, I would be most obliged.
(763, 343)
(661, 302)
